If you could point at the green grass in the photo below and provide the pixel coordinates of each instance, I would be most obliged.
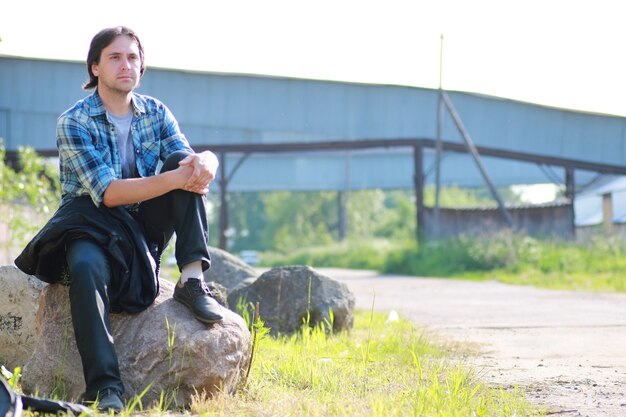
(377, 369)
(596, 265)
(367, 254)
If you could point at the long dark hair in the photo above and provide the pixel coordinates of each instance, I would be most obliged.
(103, 39)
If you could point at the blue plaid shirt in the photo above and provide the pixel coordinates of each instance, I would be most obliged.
(89, 157)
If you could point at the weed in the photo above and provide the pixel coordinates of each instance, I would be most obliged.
(171, 336)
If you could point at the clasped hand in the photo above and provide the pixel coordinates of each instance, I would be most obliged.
(204, 168)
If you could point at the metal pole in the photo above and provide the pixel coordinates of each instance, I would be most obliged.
(223, 203)
(343, 197)
(224, 180)
(570, 185)
(341, 215)
(440, 60)
(474, 152)
(420, 227)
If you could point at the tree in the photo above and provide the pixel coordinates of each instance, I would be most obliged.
(28, 197)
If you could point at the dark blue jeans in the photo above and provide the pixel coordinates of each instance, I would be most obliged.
(179, 212)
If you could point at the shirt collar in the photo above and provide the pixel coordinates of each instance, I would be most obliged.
(138, 104)
(96, 106)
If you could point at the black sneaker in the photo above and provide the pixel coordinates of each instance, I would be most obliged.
(195, 295)
(109, 400)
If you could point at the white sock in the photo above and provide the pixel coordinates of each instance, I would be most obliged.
(191, 270)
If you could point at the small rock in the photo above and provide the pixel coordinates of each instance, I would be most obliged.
(290, 296)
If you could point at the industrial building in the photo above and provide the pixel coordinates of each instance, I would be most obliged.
(278, 133)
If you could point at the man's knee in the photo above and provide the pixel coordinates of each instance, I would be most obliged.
(88, 266)
(85, 270)
(171, 163)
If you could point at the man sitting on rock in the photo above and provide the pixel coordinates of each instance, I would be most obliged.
(118, 211)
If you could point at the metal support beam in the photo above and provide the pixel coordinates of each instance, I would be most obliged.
(570, 193)
(416, 143)
(607, 213)
(598, 167)
(474, 152)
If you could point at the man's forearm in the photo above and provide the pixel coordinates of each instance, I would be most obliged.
(136, 190)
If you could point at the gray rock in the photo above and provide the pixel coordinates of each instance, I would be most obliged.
(228, 270)
(19, 295)
(284, 301)
(163, 346)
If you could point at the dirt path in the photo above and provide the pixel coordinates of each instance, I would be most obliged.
(566, 349)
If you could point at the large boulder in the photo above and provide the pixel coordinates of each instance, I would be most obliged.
(228, 270)
(292, 295)
(163, 347)
(19, 295)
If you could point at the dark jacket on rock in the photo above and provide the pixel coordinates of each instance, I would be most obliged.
(134, 272)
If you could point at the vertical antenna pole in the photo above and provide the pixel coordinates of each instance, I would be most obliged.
(439, 146)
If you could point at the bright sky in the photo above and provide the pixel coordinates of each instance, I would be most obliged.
(565, 53)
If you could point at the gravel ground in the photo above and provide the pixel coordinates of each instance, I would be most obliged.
(565, 349)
